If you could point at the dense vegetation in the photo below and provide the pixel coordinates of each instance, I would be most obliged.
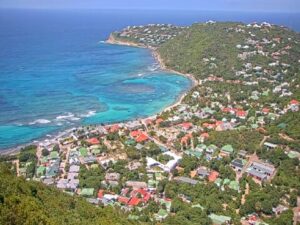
(30, 203)
(234, 80)
(188, 52)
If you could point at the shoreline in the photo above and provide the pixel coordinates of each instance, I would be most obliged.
(112, 41)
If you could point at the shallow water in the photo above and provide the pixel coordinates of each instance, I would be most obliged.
(54, 73)
(56, 77)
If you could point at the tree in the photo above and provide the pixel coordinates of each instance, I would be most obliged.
(177, 205)
(45, 152)
(293, 199)
(29, 202)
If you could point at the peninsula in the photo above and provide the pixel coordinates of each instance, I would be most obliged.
(226, 153)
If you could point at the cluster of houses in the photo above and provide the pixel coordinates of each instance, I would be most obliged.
(151, 35)
(185, 124)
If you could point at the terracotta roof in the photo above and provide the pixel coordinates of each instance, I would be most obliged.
(134, 133)
(100, 193)
(142, 137)
(227, 110)
(123, 200)
(204, 135)
(185, 138)
(93, 141)
(241, 113)
(209, 125)
(186, 125)
(265, 110)
(114, 128)
(213, 176)
(134, 201)
(294, 102)
(219, 123)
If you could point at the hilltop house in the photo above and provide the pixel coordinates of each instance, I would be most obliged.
(203, 172)
(270, 145)
(261, 171)
(238, 164)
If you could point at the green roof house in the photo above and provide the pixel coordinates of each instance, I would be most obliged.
(130, 142)
(133, 217)
(266, 93)
(226, 181)
(234, 185)
(243, 127)
(87, 192)
(282, 125)
(94, 166)
(83, 152)
(272, 116)
(40, 171)
(218, 182)
(166, 203)
(219, 219)
(162, 214)
(152, 183)
(227, 149)
(201, 146)
(44, 159)
(293, 154)
(208, 110)
(54, 155)
(196, 154)
(96, 151)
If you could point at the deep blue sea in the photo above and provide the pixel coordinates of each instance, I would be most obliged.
(55, 72)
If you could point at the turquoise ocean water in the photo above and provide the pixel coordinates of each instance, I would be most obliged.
(55, 73)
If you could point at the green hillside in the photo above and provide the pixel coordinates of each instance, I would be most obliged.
(30, 203)
(193, 50)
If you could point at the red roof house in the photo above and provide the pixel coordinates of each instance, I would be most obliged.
(141, 138)
(213, 176)
(134, 201)
(100, 193)
(114, 128)
(204, 135)
(135, 133)
(209, 125)
(142, 194)
(186, 125)
(93, 141)
(294, 102)
(218, 123)
(186, 138)
(123, 200)
(265, 110)
(241, 113)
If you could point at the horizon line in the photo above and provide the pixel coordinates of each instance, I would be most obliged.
(146, 9)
